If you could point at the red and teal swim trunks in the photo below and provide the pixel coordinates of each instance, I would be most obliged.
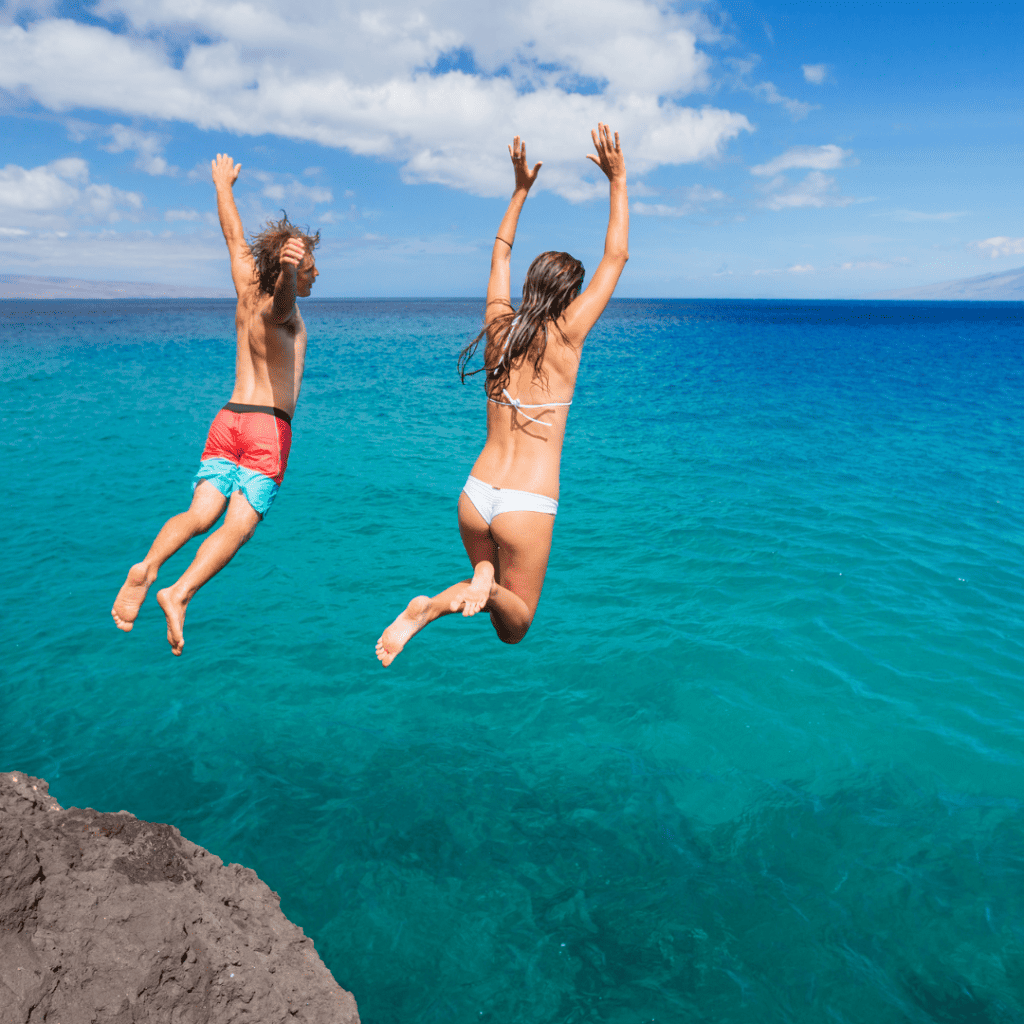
(247, 450)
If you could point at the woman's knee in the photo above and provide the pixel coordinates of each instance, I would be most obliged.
(510, 635)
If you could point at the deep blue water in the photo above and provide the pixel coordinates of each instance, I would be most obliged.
(759, 758)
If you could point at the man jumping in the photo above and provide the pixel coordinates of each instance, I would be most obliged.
(246, 451)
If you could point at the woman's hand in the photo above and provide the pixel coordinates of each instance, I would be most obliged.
(524, 176)
(609, 155)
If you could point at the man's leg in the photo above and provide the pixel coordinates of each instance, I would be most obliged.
(207, 505)
(214, 553)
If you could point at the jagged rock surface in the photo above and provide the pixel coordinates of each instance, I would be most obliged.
(105, 919)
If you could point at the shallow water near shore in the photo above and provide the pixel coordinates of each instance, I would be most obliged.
(760, 757)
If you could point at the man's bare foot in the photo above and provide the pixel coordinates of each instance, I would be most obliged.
(130, 597)
(174, 609)
(477, 592)
(407, 625)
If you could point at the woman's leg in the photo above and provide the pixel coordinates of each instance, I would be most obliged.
(468, 596)
(517, 551)
(524, 545)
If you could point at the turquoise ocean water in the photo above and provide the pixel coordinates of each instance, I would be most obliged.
(759, 758)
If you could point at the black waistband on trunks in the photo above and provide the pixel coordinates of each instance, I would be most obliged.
(272, 409)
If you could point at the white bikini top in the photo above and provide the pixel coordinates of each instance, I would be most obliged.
(514, 403)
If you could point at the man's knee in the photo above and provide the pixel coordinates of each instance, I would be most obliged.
(244, 531)
(207, 507)
(200, 520)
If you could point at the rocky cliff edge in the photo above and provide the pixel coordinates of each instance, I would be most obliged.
(105, 919)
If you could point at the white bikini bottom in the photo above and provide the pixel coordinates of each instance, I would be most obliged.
(492, 501)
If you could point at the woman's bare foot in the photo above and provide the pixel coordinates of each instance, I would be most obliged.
(407, 625)
(130, 597)
(477, 592)
(174, 609)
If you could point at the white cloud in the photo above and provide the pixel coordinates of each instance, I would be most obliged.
(659, 210)
(148, 147)
(815, 73)
(58, 193)
(186, 214)
(744, 67)
(694, 200)
(13, 9)
(12, 232)
(913, 216)
(797, 268)
(797, 108)
(120, 256)
(818, 158)
(874, 264)
(295, 190)
(439, 245)
(816, 190)
(345, 75)
(201, 172)
(1001, 246)
(42, 189)
(79, 131)
(291, 191)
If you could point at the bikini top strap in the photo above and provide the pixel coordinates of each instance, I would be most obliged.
(518, 406)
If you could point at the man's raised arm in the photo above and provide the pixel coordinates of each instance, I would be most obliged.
(292, 254)
(225, 173)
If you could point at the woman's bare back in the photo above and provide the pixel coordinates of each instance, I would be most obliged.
(519, 453)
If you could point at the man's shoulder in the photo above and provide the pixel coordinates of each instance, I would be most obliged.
(291, 323)
(251, 301)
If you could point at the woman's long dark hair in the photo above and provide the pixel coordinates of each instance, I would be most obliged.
(552, 282)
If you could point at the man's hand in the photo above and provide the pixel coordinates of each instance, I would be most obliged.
(225, 171)
(293, 252)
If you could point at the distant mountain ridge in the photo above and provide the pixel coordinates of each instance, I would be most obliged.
(1005, 286)
(23, 286)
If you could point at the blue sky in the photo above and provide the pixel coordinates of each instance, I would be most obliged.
(775, 149)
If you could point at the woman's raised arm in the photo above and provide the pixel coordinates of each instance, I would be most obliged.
(501, 255)
(583, 312)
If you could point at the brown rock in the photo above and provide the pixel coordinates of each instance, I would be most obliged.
(105, 919)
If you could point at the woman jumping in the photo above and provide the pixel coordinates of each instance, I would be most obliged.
(531, 358)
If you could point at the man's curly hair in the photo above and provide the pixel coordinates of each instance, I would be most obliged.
(265, 249)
